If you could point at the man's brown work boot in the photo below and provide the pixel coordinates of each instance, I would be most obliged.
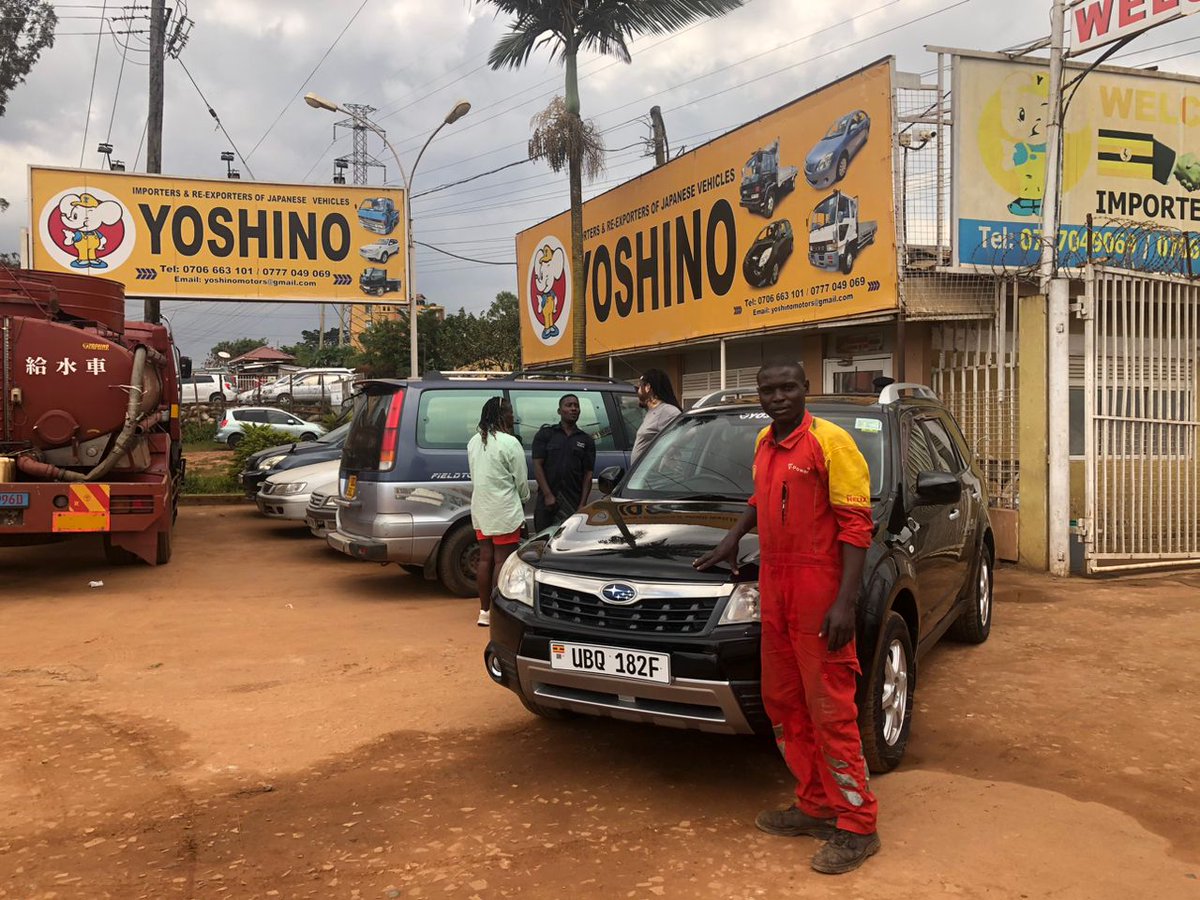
(791, 822)
(845, 851)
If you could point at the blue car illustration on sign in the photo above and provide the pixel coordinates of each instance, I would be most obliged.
(829, 160)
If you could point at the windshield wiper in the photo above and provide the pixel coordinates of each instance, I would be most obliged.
(715, 498)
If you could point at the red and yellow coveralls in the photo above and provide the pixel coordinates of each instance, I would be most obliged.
(812, 492)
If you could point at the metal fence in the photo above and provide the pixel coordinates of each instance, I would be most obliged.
(974, 372)
(1142, 356)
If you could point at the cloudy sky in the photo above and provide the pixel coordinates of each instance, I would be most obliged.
(411, 59)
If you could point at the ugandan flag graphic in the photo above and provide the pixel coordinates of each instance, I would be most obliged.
(1133, 154)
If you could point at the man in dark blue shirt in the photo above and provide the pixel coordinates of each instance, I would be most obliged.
(563, 460)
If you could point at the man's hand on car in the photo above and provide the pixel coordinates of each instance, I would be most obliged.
(724, 552)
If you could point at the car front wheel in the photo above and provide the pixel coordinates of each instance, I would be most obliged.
(308, 436)
(886, 715)
(974, 623)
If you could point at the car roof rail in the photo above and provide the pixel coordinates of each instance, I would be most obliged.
(724, 396)
(560, 376)
(892, 392)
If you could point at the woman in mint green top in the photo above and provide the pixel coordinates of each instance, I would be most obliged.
(499, 490)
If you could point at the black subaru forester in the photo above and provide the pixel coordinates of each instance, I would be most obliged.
(606, 616)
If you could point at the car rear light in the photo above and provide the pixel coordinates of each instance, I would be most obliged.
(391, 431)
(224, 423)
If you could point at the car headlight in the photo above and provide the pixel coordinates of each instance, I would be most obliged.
(743, 605)
(290, 487)
(271, 462)
(516, 580)
(330, 501)
(766, 256)
(825, 160)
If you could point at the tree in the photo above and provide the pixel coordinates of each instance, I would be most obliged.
(26, 29)
(309, 351)
(568, 27)
(234, 348)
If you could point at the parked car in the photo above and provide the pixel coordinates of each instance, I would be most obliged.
(605, 615)
(329, 384)
(381, 250)
(284, 495)
(232, 427)
(405, 488)
(829, 160)
(321, 513)
(207, 387)
(268, 462)
(766, 256)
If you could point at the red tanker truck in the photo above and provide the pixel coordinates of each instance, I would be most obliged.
(89, 417)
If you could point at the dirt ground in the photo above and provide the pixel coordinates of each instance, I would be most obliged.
(266, 718)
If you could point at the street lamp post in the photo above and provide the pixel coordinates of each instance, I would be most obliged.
(460, 109)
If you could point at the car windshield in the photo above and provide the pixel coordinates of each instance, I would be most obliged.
(710, 456)
(336, 436)
(825, 213)
(838, 128)
(771, 232)
(372, 204)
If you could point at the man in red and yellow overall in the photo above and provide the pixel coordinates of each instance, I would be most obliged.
(812, 508)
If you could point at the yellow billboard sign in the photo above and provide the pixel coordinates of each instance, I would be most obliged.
(216, 239)
(1131, 162)
(785, 220)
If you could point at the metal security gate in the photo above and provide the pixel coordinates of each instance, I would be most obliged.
(974, 372)
(1142, 483)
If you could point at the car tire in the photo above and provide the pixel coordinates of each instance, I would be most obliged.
(769, 204)
(545, 712)
(974, 623)
(233, 440)
(774, 273)
(217, 398)
(843, 165)
(284, 400)
(458, 560)
(162, 548)
(308, 436)
(848, 261)
(885, 718)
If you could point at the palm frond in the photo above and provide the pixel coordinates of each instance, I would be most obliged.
(558, 134)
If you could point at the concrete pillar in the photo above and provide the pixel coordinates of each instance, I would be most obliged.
(1034, 434)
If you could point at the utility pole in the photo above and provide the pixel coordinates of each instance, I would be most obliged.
(154, 121)
(662, 151)
(1058, 312)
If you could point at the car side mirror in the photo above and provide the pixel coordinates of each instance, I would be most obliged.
(937, 488)
(185, 367)
(609, 479)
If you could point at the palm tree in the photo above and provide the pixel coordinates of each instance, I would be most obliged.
(568, 27)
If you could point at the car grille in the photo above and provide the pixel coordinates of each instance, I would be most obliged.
(675, 615)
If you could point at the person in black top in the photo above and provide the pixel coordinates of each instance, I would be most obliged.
(563, 460)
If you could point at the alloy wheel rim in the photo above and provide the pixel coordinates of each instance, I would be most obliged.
(894, 699)
(985, 592)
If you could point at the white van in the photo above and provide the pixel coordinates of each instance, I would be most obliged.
(306, 386)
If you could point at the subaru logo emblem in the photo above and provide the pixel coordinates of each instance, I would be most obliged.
(619, 594)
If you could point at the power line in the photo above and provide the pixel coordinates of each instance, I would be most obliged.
(92, 90)
(482, 262)
(212, 112)
(116, 94)
(307, 79)
(442, 187)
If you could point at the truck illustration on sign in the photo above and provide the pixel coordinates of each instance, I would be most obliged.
(378, 214)
(375, 281)
(764, 181)
(835, 235)
(829, 159)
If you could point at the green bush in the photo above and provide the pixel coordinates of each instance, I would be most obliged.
(255, 438)
(197, 431)
(209, 483)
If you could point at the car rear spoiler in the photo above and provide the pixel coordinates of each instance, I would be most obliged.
(892, 392)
